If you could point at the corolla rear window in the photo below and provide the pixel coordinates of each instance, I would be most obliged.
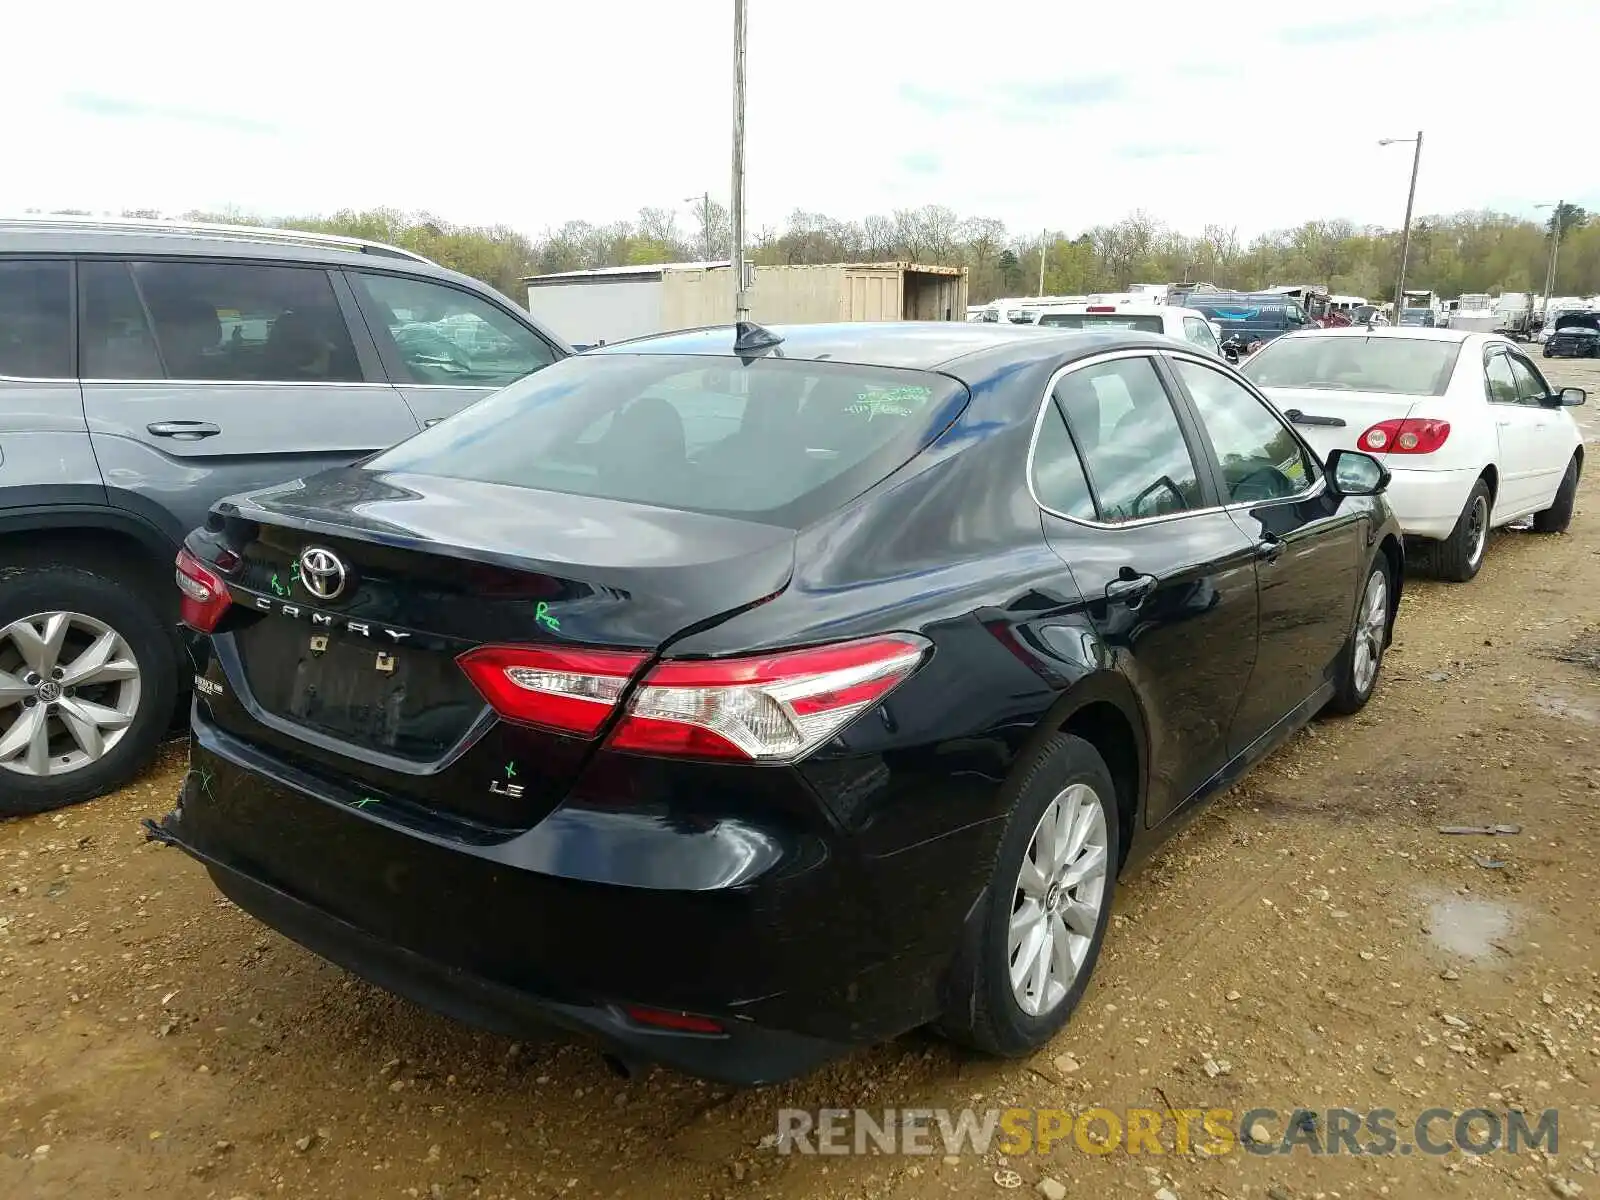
(1409, 366)
(1143, 322)
(781, 441)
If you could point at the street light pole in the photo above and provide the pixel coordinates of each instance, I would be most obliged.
(705, 249)
(1405, 231)
(741, 302)
(1043, 234)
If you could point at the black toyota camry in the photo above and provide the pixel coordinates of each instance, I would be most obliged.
(738, 697)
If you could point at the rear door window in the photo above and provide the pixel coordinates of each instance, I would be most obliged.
(782, 441)
(445, 336)
(36, 320)
(246, 322)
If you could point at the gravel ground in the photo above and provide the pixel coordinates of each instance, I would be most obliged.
(1312, 940)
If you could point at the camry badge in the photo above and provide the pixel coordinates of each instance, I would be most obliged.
(322, 572)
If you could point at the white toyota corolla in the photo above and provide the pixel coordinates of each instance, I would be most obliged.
(1473, 436)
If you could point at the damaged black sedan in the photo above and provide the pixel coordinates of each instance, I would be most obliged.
(736, 698)
(1576, 335)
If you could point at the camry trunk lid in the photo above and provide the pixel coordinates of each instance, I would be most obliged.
(355, 595)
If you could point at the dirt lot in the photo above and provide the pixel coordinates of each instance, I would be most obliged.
(1312, 941)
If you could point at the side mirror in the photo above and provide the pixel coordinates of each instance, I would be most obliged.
(1352, 473)
(1571, 397)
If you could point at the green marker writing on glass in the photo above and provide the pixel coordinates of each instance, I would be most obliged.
(543, 615)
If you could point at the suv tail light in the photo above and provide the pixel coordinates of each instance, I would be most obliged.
(1413, 435)
(763, 708)
(565, 689)
(204, 597)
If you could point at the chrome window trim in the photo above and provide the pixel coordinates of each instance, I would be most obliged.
(1318, 486)
(38, 379)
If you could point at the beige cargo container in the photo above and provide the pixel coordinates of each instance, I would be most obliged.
(604, 306)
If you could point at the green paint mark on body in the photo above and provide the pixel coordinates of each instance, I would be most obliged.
(511, 770)
(366, 800)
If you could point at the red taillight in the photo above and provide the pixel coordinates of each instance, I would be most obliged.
(764, 708)
(204, 595)
(566, 689)
(1414, 435)
(676, 1022)
(1101, 308)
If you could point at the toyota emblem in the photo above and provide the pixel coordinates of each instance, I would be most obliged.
(322, 572)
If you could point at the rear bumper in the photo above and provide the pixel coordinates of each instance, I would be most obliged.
(809, 952)
(1428, 503)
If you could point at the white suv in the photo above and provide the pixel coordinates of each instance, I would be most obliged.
(1183, 323)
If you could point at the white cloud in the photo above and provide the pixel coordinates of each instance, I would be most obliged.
(1059, 115)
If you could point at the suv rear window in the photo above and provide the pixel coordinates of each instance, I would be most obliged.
(1144, 322)
(35, 320)
(778, 441)
(1408, 366)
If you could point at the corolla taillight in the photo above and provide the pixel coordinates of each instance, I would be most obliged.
(203, 596)
(565, 689)
(763, 708)
(1413, 435)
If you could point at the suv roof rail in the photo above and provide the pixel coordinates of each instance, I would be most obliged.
(238, 233)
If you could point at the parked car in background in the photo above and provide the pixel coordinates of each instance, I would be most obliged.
(1423, 318)
(1471, 433)
(1249, 320)
(149, 368)
(899, 642)
(1186, 324)
(1575, 335)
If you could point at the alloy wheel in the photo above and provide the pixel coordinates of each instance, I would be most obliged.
(1371, 621)
(1057, 898)
(1477, 529)
(69, 690)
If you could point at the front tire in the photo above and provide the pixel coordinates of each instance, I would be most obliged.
(1036, 941)
(1459, 557)
(88, 678)
(1558, 516)
(1369, 637)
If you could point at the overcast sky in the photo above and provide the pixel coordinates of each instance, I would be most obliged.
(1041, 114)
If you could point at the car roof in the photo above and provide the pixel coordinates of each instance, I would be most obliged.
(1132, 310)
(913, 345)
(151, 239)
(1417, 333)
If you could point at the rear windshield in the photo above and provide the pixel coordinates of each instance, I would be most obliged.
(1409, 366)
(1144, 323)
(1244, 314)
(782, 442)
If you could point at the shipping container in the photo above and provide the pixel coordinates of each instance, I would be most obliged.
(615, 303)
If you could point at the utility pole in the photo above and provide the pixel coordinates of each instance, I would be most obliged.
(1043, 234)
(1405, 231)
(741, 302)
(1555, 249)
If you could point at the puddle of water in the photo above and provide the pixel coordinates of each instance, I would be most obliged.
(1558, 706)
(1468, 927)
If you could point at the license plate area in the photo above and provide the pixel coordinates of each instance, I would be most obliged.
(404, 701)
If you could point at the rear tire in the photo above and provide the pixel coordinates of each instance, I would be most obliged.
(1362, 660)
(1046, 901)
(102, 724)
(1558, 516)
(1459, 557)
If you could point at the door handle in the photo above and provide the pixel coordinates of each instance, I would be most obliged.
(1503, 424)
(1269, 549)
(188, 430)
(1130, 588)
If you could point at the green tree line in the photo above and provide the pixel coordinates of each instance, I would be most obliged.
(1452, 254)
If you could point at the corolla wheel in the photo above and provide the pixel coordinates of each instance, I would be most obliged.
(1477, 529)
(1057, 898)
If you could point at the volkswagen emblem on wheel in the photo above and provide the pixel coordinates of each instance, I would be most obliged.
(322, 572)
